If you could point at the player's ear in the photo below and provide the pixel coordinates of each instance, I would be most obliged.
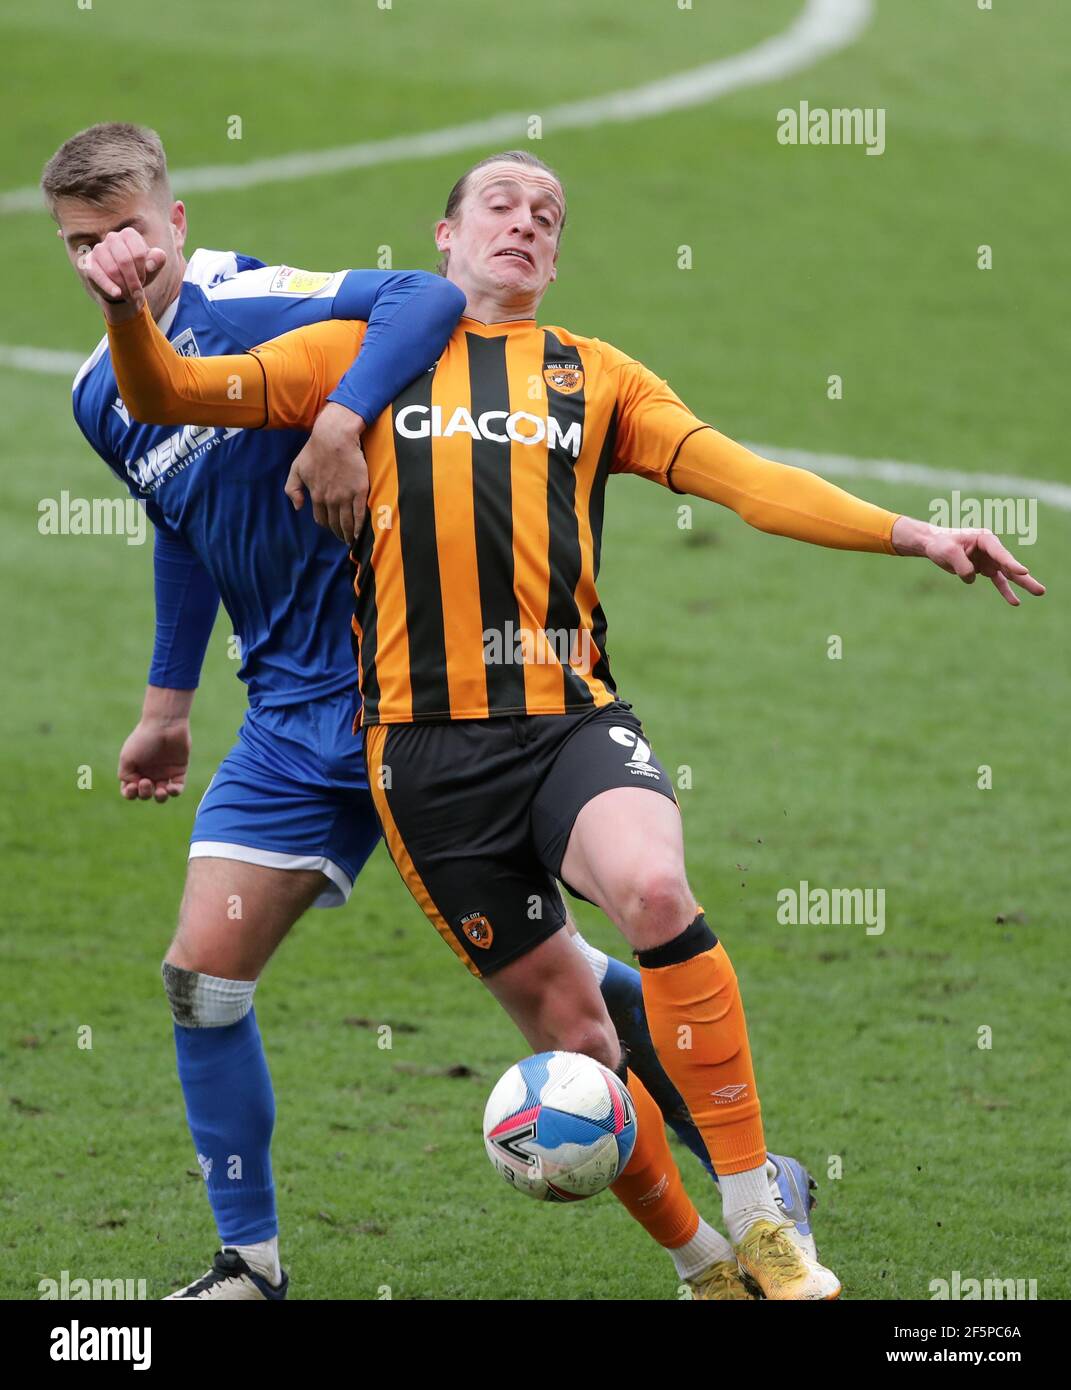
(178, 224)
(442, 234)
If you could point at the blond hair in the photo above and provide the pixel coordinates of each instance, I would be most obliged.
(105, 162)
(457, 193)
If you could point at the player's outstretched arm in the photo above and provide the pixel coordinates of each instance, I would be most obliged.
(409, 317)
(789, 501)
(661, 439)
(161, 387)
(280, 385)
(157, 386)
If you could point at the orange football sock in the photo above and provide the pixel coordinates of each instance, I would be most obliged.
(697, 1025)
(650, 1188)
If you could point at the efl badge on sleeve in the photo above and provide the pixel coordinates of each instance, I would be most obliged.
(290, 281)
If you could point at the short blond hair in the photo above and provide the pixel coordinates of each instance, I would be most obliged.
(105, 162)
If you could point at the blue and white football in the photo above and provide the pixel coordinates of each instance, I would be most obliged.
(559, 1126)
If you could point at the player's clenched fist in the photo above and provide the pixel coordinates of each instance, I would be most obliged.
(333, 468)
(117, 269)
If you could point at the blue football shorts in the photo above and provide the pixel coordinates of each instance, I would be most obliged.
(293, 794)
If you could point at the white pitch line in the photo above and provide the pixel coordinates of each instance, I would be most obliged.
(46, 360)
(821, 28)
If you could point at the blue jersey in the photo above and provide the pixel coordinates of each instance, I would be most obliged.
(224, 526)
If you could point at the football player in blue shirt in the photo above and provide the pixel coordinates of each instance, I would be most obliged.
(287, 821)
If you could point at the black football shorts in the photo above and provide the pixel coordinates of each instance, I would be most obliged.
(477, 814)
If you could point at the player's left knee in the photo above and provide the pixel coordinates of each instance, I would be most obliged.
(656, 900)
(205, 1001)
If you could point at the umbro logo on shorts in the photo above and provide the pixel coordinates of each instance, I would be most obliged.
(640, 762)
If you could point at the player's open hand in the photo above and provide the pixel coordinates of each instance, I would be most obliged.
(968, 553)
(118, 268)
(332, 467)
(154, 759)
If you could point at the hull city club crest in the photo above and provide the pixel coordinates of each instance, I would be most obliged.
(564, 377)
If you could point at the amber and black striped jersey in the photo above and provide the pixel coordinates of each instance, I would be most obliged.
(476, 575)
(476, 572)
(476, 569)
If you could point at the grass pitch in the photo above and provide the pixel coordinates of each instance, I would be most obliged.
(861, 771)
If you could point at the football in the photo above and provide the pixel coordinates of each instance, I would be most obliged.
(559, 1126)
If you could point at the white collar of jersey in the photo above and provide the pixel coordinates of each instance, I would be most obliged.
(204, 269)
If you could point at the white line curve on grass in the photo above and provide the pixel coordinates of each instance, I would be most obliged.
(821, 28)
(46, 360)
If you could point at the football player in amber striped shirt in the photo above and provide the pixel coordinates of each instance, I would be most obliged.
(501, 757)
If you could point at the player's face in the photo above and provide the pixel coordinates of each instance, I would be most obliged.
(505, 238)
(163, 224)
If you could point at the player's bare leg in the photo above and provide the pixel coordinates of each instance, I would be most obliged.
(553, 997)
(232, 919)
(234, 915)
(626, 854)
(555, 1004)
